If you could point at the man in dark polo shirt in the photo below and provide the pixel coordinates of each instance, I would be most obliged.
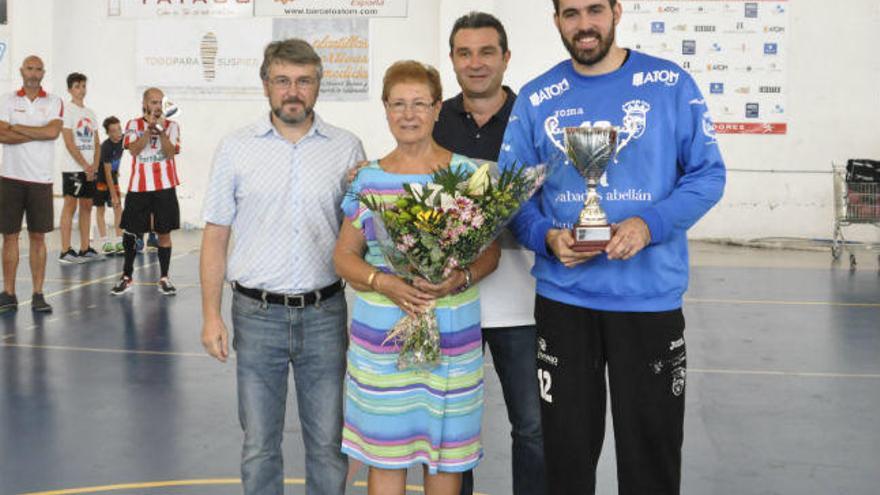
(472, 124)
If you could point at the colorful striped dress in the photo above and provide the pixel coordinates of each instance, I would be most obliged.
(397, 419)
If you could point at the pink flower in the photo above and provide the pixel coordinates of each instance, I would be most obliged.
(478, 220)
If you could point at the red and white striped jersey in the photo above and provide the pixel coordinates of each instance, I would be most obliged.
(151, 170)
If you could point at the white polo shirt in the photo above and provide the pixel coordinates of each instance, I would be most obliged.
(33, 161)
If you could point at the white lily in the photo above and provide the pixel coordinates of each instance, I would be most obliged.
(479, 181)
(447, 201)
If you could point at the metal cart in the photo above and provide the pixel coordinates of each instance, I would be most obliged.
(855, 202)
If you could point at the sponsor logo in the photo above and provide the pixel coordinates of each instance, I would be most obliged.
(716, 67)
(680, 27)
(704, 29)
(668, 9)
(770, 89)
(743, 90)
(543, 353)
(678, 380)
(569, 112)
(774, 29)
(716, 88)
(667, 77)
(549, 92)
(658, 27)
(771, 48)
(778, 109)
(716, 47)
(752, 110)
(675, 344)
(751, 10)
(688, 47)
(709, 132)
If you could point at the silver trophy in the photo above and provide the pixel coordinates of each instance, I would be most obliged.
(590, 149)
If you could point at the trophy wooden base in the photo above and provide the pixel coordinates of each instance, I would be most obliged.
(589, 238)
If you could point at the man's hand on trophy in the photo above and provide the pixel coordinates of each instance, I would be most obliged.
(628, 238)
(559, 241)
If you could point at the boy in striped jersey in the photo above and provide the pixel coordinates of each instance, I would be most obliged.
(153, 141)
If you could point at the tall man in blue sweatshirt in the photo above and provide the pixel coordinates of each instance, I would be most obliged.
(620, 308)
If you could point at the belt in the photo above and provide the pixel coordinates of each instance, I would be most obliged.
(290, 300)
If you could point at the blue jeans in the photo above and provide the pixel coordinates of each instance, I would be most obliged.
(513, 353)
(269, 339)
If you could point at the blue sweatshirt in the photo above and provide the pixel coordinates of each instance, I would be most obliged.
(668, 171)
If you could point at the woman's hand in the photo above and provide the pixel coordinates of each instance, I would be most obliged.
(408, 298)
(449, 285)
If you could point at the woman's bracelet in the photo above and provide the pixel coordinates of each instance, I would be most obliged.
(371, 278)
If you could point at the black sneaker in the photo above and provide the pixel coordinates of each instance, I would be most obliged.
(69, 257)
(166, 287)
(39, 304)
(123, 286)
(8, 302)
(88, 255)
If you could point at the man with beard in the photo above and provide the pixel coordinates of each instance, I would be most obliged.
(30, 121)
(277, 185)
(472, 123)
(618, 308)
(151, 202)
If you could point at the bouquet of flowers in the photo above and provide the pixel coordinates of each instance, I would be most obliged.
(434, 228)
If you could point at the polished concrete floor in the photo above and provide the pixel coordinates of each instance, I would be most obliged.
(115, 395)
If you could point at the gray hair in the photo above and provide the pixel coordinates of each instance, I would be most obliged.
(291, 51)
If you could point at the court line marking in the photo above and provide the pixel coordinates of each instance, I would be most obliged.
(780, 303)
(76, 281)
(181, 483)
(106, 351)
(802, 374)
(101, 280)
(707, 371)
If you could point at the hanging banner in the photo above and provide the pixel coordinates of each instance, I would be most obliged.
(5, 65)
(179, 9)
(344, 48)
(5, 37)
(202, 58)
(330, 8)
(735, 50)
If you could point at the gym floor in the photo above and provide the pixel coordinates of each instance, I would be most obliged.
(115, 394)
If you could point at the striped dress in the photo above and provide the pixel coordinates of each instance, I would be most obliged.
(397, 419)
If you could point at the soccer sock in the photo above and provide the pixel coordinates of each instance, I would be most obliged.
(128, 241)
(164, 259)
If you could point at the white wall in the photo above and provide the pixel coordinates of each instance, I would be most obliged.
(833, 97)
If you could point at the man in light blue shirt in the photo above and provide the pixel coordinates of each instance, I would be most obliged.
(277, 186)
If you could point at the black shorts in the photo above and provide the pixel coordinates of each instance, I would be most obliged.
(75, 184)
(31, 199)
(141, 206)
(102, 195)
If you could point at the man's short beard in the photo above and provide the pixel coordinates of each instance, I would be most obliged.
(293, 119)
(604, 47)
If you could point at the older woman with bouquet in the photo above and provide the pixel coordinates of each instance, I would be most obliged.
(398, 418)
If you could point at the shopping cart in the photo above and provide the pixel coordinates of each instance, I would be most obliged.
(856, 201)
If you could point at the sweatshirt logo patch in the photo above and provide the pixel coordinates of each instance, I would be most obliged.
(667, 77)
(635, 121)
(549, 92)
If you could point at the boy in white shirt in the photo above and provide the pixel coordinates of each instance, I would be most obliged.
(78, 168)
